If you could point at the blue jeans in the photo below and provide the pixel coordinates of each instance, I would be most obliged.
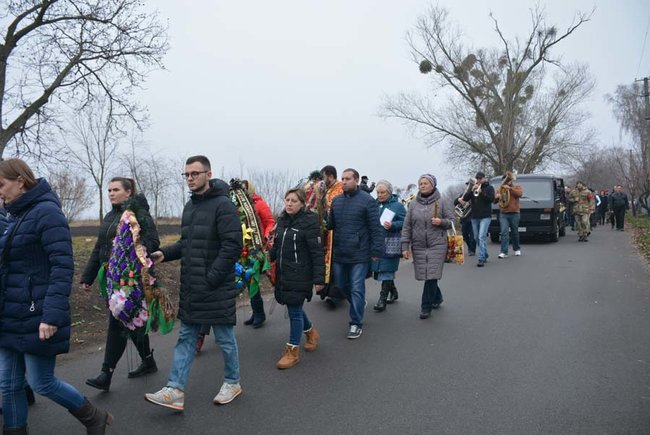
(40, 375)
(480, 228)
(188, 335)
(509, 223)
(431, 294)
(351, 279)
(298, 322)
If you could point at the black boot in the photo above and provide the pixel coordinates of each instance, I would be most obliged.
(94, 419)
(148, 365)
(15, 431)
(250, 320)
(258, 312)
(393, 296)
(30, 395)
(101, 382)
(383, 295)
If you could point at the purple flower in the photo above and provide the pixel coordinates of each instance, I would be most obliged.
(128, 305)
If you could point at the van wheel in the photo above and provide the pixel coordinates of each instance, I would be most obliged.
(494, 237)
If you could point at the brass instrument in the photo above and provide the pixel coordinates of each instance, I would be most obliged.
(405, 201)
(504, 198)
(463, 210)
(476, 189)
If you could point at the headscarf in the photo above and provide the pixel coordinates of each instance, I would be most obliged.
(386, 185)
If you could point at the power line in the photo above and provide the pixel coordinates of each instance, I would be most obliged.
(643, 47)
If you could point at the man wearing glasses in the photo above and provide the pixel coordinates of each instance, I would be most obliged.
(210, 244)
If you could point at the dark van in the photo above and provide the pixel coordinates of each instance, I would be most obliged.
(542, 207)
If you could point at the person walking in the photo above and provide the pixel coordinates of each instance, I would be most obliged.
(583, 206)
(604, 206)
(36, 269)
(427, 220)
(333, 188)
(507, 197)
(298, 251)
(384, 268)
(354, 217)
(481, 195)
(122, 195)
(619, 204)
(210, 244)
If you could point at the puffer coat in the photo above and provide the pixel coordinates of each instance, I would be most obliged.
(37, 277)
(393, 204)
(210, 244)
(427, 242)
(298, 252)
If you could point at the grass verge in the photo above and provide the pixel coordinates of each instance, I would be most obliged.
(641, 226)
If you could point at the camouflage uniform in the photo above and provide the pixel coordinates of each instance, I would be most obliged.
(584, 205)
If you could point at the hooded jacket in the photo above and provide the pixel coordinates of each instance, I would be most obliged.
(210, 244)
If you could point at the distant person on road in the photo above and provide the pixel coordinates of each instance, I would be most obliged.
(331, 293)
(210, 245)
(364, 185)
(619, 204)
(384, 268)
(604, 206)
(570, 219)
(481, 195)
(358, 237)
(427, 220)
(466, 227)
(507, 196)
(37, 271)
(583, 206)
(298, 251)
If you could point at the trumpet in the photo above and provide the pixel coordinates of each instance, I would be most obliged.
(476, 189)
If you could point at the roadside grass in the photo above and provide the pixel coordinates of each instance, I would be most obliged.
(641, 225)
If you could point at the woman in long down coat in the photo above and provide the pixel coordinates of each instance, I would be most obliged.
(37, 269)
(384, 268)
(298, 252)
(425, 232)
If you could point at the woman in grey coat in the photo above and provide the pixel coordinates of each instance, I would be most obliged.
(427, 220)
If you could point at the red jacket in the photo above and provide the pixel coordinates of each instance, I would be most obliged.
(265, 215)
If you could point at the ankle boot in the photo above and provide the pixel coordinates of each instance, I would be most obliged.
(393, 296)
(102, 381)
(250, 320)
(31, 399)
(94, 419)
(258, 312)
(15, 431)
(383, 295)
(311, 339)
(290, 357)
(148, 365)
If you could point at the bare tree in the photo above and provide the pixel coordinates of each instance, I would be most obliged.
(96, 138)
(65, 53)
(272, 184)
(497, 108)
(73, 192)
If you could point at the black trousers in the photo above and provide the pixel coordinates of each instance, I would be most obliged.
(116, 340)
(431, 294)
(619, 217)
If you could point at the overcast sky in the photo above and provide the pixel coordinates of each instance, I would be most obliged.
(298, 84)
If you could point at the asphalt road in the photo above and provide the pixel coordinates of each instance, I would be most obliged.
(556, 342)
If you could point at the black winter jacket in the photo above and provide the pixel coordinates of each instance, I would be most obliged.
(108, 230)
(358, 235)
(481, 204)
(618, 200)
(210, 244)
(298, 252)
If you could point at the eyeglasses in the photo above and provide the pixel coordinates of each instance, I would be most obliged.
(193, 174)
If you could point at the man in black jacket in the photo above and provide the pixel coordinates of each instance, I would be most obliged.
(618, 204)
(210, 244)
(481, 195)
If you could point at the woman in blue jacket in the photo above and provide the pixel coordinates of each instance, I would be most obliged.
(385, 267)
(37, 269)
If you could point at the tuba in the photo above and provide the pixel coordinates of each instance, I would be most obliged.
(463, 210)
(504, 199)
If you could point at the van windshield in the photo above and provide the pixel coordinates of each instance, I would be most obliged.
(534, 190)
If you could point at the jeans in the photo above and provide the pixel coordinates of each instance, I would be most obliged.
(431, 294)
(468, 234)
(188, 335)
(40, 375)
(351, 279)
(298, 323)
(480, 227)
(509, 223)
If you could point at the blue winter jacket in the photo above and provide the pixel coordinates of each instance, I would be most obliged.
(358, 236)
(37, 276)
(394, 205)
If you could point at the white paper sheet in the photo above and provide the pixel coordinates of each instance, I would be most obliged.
(386, 216)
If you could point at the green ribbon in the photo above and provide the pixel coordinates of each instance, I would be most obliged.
(157, 321)
(101, 279)
(260, 266)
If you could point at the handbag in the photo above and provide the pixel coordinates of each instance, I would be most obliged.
(454, 247)
(393, 246)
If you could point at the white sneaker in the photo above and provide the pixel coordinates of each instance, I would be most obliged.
(227, 393)
(168, 397)
(502, 255)
(517, 253)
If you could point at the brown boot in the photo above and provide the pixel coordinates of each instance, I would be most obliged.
(94, 419)
(311, 340)
(290, 357)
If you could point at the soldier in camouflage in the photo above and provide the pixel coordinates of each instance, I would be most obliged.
(584, 205)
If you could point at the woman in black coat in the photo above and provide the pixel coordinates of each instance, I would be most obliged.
(119, 191)
(300, 268)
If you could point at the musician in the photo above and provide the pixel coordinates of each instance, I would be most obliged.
(466, 225)
(507, 196)
(481, 195)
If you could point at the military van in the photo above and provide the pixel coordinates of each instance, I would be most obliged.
(542, 207)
